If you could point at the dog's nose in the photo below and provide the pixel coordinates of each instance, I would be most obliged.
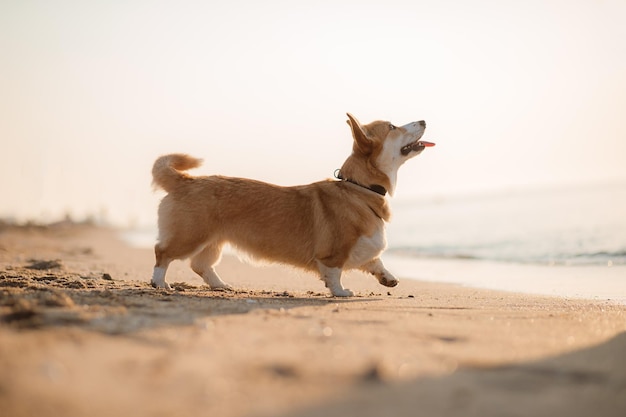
(422, 123)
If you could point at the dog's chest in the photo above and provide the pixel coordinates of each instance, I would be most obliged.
(367, 248)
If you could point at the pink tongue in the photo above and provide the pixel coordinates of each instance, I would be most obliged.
(426, 144)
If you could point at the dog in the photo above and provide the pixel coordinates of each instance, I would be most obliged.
(327, 227)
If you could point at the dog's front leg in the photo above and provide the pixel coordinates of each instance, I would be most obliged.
(332, 279)
(376, 268)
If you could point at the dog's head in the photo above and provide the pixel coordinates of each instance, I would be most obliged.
(382, 147)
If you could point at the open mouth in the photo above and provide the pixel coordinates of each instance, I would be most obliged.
(417, 146)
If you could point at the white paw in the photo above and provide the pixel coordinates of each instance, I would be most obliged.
(158, 278)
(222, 286)
(342, 292)
(389, 282)
(387, 279)
(162, 284)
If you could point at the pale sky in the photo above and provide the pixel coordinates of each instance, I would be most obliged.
(514, 93)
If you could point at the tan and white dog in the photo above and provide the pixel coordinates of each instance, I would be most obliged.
(327, 227)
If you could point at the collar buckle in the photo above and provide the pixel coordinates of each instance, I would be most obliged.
(377, 188)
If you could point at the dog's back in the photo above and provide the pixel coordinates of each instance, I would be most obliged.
(294, 225)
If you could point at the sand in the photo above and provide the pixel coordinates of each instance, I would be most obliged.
(83, 333)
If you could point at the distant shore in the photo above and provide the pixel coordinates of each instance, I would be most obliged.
(83, 333)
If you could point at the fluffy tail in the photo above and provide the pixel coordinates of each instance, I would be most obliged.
(166, 172)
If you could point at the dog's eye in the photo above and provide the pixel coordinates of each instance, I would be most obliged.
(391, 127)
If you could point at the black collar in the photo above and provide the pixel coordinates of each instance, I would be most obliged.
(377, 188)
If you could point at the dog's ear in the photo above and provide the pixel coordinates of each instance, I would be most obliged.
(361, 141)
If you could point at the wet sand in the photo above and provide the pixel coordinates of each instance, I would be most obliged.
(83, 333)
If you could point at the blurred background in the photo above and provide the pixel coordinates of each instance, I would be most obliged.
(525, 100)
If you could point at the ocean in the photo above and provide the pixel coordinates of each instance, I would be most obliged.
(562, 241)
(584, 225)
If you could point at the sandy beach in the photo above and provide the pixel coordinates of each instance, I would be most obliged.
(83, 333)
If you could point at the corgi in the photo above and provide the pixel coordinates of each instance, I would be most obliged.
(327, 227)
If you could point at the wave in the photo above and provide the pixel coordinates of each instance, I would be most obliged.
(608, 258)
(570, 226)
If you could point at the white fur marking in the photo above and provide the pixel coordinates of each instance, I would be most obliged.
(158, 278)
(377, 269)
(332, 278)
(390, 159)
(367, 248)
(213, 280)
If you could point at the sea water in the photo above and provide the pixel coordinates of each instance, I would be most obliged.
(584, 225)
(564, 241)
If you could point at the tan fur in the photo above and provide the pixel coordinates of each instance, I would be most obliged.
(166, 172)
(326, 226)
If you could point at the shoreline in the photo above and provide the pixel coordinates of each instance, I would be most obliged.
(586, 282)
(82, 332)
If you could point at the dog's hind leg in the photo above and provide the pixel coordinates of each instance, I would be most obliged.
(203, 262)
(376, 268)
(160, 269)
(332, 279)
